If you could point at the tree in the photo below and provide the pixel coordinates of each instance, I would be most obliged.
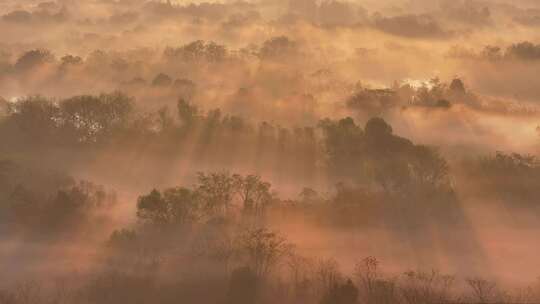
(215, 52)
(511, 177)
(378, 157)
(33, 59)
(198, 52)
(4, 108)
(278, 48)
(367, 272)
(327, 274)
(122, 239)
(344, 146)
(301, 271)
(175, 206)
(426, 287)
(457, 87)
(377, 128)
(162, 80)
(216, 191)
(429, 169)
(18, 16)
(482, 289)
(187, 113)
(309, 195)
(524, 51)
(70, 61)
(164, 120)
(373, 101)
(400, 166)
(263, 250)
(254, 193)
(152, 207)
(95, 118)
(386, 156)
(183, 205)
(372, 286)
(36, 116)
(62, 209)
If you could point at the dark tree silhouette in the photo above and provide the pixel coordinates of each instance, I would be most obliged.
(179, 206)
(33, 59)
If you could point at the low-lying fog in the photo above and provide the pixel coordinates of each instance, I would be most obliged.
(299, 151)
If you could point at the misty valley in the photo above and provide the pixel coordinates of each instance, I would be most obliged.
(287, 151)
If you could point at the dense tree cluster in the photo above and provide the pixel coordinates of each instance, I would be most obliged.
(522, 51)
(215, 195)
(511, 177)
(375, 154)
(80, 119)
(41, 203)
(370, 156)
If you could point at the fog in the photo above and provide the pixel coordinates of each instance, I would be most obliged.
(300, 151)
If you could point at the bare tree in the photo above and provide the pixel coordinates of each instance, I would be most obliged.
(263, 250)
(426, 287)
(483, 290)
(327, 274)
(373, 287)
(216, 191)
(301, 272)
(253, 191)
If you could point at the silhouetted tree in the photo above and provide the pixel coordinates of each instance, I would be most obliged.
(254, 193)
(33, 59)
(278, 48)
(263, 250)
(524, 51)
(178, 206)
(36, 117)
(344, 146)
(96, 118)
(187, 113)
(162, 80)
(309, 195)
(198, 52)
(216, 191)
